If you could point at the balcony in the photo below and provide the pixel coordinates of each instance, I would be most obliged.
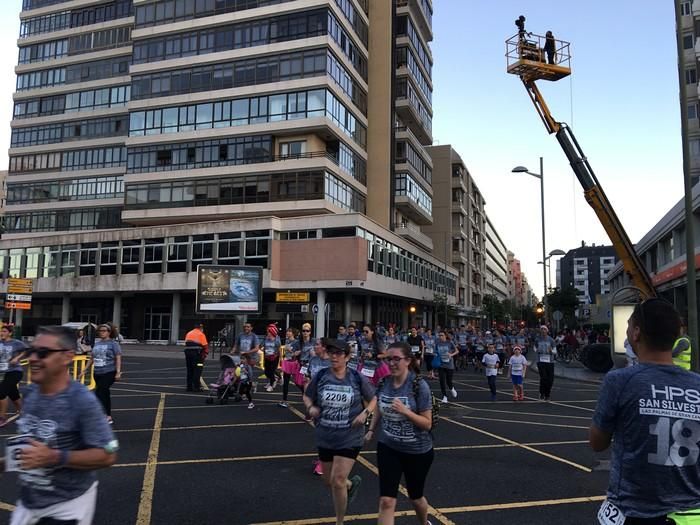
(415, 236)
(409, 207)
(422, 13)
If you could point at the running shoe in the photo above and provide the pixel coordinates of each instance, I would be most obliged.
(444, 399)
(282, 404)
(546, 398)
(453, 392)
(516, 398)
(110, 421)
(318, 468)
(268, 388)
(251, 405)
(352, 491)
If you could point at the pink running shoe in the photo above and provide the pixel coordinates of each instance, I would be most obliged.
(318, 468)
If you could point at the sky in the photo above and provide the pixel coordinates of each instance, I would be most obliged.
(621, 101)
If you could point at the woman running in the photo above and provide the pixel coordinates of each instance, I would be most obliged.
(446, 350)
(290, 364)
(334, 398)
(404, 442)
(372, 352)
(271, 350)
(106, 356)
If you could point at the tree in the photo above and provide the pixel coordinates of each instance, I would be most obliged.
(440, 305)
(493, 309)
(566, 301)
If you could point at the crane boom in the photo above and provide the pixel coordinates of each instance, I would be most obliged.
(527, 62)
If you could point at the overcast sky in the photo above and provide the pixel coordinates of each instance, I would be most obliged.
(622, 103)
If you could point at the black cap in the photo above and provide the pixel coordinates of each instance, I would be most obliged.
(334, 344)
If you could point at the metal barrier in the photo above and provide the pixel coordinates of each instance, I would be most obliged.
(76, 369)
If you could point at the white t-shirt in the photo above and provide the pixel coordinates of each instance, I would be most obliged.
(491, 361)
(517, 363)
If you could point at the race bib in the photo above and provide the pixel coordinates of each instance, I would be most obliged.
(269, 351)
(352, 365)
(338, 397)
(445, 358)
(13, 448)
(544, 358)
(4, 366)
(415, 349)
(304, 370)
(428, 350)
(609, 514)
(99, 363)
(368, 372)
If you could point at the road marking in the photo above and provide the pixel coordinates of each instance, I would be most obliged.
(526, 447)
(134, 395)
(149, 476)
(512, 412)
(524, 504)
(6, 506)
(187, 407)
(518, 422)
(448, 510)
(207, 427)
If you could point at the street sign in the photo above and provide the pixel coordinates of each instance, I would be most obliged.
(20, 286)
(314, 308)
(292, 297)
(18, 306)
(19, 298)
(557, 315)
(305, 308)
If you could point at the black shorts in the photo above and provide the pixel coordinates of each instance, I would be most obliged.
(392, 464)
(326, 455)
(8, 387)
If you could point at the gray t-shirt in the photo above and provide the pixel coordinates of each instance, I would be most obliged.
(396, 430)
(444, 350)
(340, 401)
(545, 347)
(271, 348)
(73, 420)
(9, 350)
(307, 348)
(316, 364)
(653, 412)
(104, 354)
(290, 347)
(246, 343)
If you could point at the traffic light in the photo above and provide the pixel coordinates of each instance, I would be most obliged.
(412, 308)
(539, 309)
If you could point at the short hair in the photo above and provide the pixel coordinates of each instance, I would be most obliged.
(306, 326)
(659, 323)
(65, 335)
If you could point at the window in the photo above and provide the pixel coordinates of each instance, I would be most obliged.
(694, 148)
(33, 262)
(131, 251)
(691, 76)
(69, 259)
(293, 149)
(109, 255)
(692, 110)
(88, 258)
(686, 8)
(688, 41)
(177, 253)
(202, 249)
(229, 249)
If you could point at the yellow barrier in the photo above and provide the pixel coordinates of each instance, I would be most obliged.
(76, 369)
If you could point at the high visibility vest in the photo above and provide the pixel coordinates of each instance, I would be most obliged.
(681, 352)
(688, 517)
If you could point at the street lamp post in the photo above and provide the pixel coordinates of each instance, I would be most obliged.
(549, 266)
(540, 175)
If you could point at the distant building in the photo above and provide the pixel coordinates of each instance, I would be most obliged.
(496, 274)
(588, 270)
(689, 23)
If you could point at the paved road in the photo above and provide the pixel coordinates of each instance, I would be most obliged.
(184, 462)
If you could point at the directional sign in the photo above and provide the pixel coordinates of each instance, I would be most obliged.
(292, 297)
(557, 315)
(314, 309)
(18, 306)
(18, 298)
(19, 286)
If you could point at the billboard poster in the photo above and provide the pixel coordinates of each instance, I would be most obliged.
(230, 289)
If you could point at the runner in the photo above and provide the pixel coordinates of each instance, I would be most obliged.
(391, 337)
(429, 352)
(417, 345)
(491, 363)
(462, 339)
(106, 357)
(64, 438)
(446, 350)
(248, 346)
(290, 364)
(372, 352)
(334, 398)
(11, 352)
(545, 348)
(318, 362)
(271, 350)
(518, 369)
(404, 442)
(499, 343)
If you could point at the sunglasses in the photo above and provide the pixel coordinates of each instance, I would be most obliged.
(365, 331)
(42, 352)
(336, 351)
(307, 331)
(395, 359)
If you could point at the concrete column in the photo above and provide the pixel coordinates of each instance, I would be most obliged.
(347, 309)
(404, 317)
(175, 314)
(368, 310)
(18, 317)
(117, 310)
(65, 310)
(320, 320)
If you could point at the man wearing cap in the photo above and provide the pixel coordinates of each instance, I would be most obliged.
(196, 350)
(545, 348)
(271, 349)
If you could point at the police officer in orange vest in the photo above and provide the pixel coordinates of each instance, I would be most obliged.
(196, 350)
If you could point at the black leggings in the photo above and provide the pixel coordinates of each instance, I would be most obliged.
(285, 386)
(102, 384)
(244, 390)
(392, 464)
(8, 387)
(271, 368)
(546, 371)
(445, 378)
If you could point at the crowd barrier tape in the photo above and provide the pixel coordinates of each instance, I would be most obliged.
(76, 369)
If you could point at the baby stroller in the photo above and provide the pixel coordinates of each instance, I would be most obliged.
(227, 383)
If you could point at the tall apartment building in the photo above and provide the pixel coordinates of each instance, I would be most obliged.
(587, 269)
(149, 137)
(458, 228)
(519, 290)
(496, 274)
(690, 26)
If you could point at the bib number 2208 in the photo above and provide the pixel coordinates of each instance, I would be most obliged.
(609, 514)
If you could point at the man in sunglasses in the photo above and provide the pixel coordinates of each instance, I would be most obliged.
(653, 412)
(63, 438)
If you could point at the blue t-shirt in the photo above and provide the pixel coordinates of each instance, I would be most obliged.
(462, 338)
(307, 350)
(653, 412)
(290, 347)
(104, 355)
(396, 430)
(545, 347)
(316, 364)
(246, 343)
(340, 401)
(8, 351)
(73, 420)
(444, 350)
(271, 347)
(429, 342)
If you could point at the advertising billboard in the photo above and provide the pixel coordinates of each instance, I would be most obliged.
(230, 289)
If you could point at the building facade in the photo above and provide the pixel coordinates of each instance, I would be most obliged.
(587, 269)
(690, 22)
(150, 137)
(496, 254)
(458, 228)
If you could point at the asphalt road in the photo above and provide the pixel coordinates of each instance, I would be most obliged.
(184, 462)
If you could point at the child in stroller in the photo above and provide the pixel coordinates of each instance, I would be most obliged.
(227, 383)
